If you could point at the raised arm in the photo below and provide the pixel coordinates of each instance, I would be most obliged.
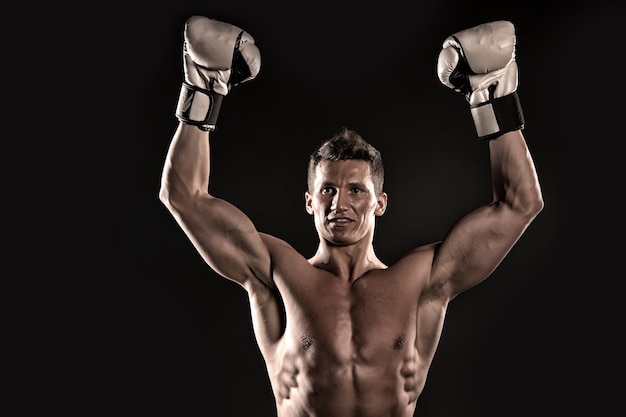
(216, 56)
(480, 63)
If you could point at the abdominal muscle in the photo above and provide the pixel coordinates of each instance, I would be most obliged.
(323, 383)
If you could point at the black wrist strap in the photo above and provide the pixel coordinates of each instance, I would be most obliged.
(198, 107)
(498, 116)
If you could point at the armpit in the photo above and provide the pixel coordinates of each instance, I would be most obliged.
(434, 291)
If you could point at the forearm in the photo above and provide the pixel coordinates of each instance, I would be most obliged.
(515, 181)
(187, 166)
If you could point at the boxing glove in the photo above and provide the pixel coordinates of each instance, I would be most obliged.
(216, 57)
(479, 63)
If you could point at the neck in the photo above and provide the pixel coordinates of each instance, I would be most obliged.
(348, 262)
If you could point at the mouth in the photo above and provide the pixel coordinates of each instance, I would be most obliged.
(339, 221)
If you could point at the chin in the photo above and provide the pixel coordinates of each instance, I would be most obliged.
(339, 242)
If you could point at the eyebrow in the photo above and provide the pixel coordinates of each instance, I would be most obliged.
(357, 184)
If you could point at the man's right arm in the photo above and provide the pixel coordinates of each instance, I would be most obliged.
(216, 56)
(223, 235)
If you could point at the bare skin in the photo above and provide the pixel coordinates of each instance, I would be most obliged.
(343, 334)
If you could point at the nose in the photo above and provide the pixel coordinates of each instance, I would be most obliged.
(339, 202)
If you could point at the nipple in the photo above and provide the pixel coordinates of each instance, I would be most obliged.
(399, 343)
(306, 342)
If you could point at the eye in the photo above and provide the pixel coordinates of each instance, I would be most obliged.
(356, 190)
(328, 190)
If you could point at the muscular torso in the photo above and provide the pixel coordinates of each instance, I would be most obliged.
(347, 348)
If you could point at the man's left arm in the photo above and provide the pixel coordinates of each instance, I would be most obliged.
(480, 64)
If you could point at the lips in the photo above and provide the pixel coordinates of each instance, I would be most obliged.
(340, 220)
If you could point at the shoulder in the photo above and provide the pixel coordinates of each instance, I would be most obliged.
(421, 255)
(289, 266)
(280, 250)
(274, 244)
(426, 249)
(416, 266)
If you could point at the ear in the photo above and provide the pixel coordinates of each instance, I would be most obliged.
(308, 203)
(381, 204)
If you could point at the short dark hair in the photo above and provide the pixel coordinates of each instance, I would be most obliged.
(347, 145)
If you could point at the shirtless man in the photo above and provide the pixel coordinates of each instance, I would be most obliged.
(342, 333)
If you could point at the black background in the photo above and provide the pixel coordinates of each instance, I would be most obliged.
(172, 338)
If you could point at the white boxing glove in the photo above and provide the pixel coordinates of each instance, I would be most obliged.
(216, 57)
(479, 63)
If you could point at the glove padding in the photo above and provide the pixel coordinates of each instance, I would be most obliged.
(480, 63)
(216, 57)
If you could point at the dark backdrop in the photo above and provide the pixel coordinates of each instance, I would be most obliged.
(178, 338)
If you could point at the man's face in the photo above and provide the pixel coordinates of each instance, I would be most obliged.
(343, 201)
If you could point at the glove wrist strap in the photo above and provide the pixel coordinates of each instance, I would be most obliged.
(498, 116)
(199, 107)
